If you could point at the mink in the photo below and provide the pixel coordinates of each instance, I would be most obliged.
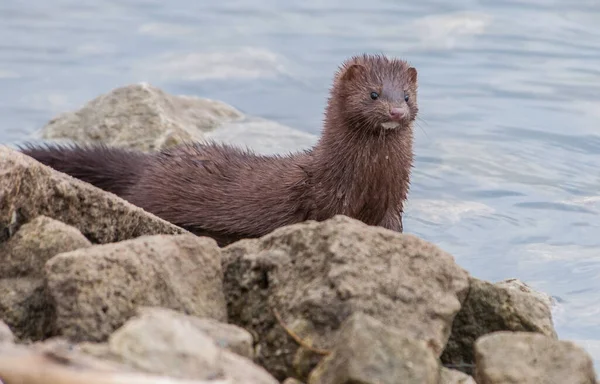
(359, 167)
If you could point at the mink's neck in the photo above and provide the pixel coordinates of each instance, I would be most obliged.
(361, 171)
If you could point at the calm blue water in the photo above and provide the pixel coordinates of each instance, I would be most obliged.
(508, 151)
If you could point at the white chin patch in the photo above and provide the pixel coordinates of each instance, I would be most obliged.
(390, 125)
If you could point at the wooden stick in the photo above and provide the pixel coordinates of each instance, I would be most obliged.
(297, 338)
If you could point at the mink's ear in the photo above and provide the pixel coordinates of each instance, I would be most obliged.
(412, 75)
(352, 72)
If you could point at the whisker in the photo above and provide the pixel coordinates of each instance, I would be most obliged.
(420, 120)
(422, 129)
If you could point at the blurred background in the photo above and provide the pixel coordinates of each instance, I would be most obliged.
(508, 151)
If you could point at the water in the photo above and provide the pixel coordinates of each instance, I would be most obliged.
(508, 150)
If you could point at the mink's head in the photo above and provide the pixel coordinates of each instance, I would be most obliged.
(376, 92)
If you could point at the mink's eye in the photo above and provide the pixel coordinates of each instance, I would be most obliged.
(374, 95)
(405, 96)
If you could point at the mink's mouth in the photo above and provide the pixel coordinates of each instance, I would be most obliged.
(390, 125)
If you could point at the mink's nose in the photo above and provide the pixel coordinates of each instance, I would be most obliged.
(397, 114)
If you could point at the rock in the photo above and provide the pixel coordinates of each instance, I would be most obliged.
(23, 301)
(24, 308)
(61, 363)
(315, 275)
(140, 116)
(451, 376)
(525, 357)
(547, 300)
(166, 346)
(144, 117)
(62, 349)
(227, 336)
(367, 351)
(166, 343)
(36, 242)
(29, 189)
(243, 370)
(495, 307)
(6, 335)
(262, 136)
(95, 290)
(291, 380)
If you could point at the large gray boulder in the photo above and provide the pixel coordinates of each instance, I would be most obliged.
(95, 290)
(530, 358)
(505, 306)
(140, 116)
(144, 117)
(311, 276)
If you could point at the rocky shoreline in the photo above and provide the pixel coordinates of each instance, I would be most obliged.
(96, 290)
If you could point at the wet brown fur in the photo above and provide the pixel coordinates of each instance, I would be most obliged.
(357, 168)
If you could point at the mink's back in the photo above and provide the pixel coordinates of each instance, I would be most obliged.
(209, 189)
(224, 192)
